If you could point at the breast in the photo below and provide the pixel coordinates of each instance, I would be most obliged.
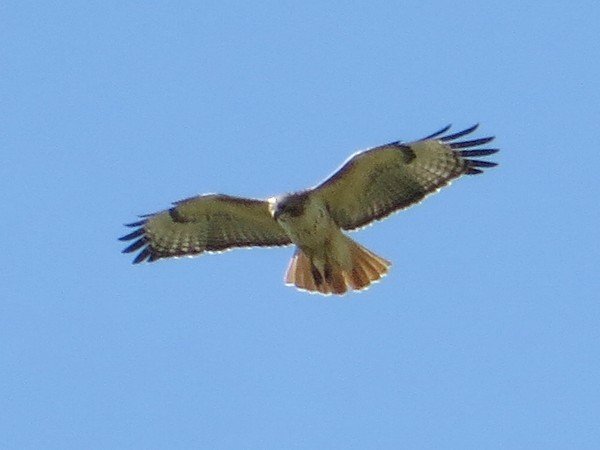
(312, 229)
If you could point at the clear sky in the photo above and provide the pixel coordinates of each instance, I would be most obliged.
(484, 335)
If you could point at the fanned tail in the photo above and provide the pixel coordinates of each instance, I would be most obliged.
(333, 278)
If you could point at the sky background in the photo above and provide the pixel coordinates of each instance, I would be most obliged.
(484, 335)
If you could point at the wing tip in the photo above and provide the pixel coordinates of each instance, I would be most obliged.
(472, 166)
(138, 223)
(437, 133)
(134, 234)
(478, 152)
(458, 134)
(142, 256)
(141, 243)
(481, 163)
(471, 143)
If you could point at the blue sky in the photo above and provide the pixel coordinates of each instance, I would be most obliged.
(484, 335)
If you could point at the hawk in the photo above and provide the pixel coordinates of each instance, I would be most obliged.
(369, 186)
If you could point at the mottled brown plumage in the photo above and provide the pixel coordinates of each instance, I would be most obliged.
(369, 186)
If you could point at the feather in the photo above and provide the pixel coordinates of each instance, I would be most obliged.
(451, 137)
(437, 133)
(130, 236)
(477, 163)
(136, 245)
(139, 223)
(146, 253)
(473, 143)
(480, 152)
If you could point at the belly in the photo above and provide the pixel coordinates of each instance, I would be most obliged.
(311, 234)
(307, 235)
(322, 242)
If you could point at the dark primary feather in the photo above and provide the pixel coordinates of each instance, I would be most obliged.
(145, 254)
(480, 152)
(135, 224)
(437, 133)
(462, 133)
(136, 245)
(477, 163)
(133, 235)
(473, 143)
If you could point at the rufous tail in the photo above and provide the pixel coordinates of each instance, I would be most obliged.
(365, 267)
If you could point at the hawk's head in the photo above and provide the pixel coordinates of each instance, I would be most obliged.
(290, 205)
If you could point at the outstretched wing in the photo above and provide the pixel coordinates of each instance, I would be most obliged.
(210, 223)
(377, 182)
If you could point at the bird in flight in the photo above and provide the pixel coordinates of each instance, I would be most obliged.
(369, 186)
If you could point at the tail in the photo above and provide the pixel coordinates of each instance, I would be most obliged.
(364, 268)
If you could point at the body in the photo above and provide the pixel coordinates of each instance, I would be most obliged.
(369, 186)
